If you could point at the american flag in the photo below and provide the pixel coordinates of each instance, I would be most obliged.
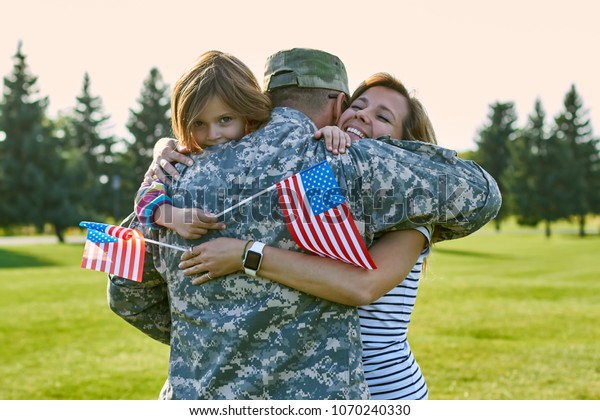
(318, 217)
(114, 250)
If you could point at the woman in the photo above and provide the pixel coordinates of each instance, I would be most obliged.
(381, 106)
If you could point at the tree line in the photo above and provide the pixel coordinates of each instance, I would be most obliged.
(64, 170)
(546, 171)
(60, 171)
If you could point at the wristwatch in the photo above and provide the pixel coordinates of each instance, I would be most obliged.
(253, 258)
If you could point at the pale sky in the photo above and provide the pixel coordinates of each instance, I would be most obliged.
(458, 56)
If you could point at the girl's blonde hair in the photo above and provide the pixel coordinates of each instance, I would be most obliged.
(220, 75)
(416, 125)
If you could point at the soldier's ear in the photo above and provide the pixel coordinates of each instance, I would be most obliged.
(339, 107)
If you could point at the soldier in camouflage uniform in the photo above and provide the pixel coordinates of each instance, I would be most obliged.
(241, 337)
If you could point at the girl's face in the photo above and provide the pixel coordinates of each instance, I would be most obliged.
(379, 111)
(217, 124)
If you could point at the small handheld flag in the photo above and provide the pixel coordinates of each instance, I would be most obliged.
(318, 217)
(114, 250)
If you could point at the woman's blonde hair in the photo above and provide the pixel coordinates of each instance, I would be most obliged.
(416, 125)
(220, 75)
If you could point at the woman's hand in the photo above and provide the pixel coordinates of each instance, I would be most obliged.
(166, 152)
(213, 259)
(336, 140)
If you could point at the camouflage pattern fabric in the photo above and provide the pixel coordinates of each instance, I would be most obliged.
(239, 337)
(306, 68)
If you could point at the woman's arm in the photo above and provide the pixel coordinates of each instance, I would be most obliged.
(395, 254)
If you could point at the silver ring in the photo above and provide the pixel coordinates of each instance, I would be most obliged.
(209, 277)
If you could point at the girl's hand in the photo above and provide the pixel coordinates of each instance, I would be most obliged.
(336, 140)
(166, 152)
(189, 223)
(213, 259)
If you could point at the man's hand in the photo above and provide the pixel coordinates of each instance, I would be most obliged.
(166, 152)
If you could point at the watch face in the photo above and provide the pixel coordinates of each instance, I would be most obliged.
(252, 260)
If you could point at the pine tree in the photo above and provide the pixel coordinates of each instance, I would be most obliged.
(147, 124)
(493, 150)
(94, 161)
(4, 205)
(594, 176)
(573, 128)
(66, 208)
(522, 179)
(28, 154)
(554, 182)
(151, 122)
(536, 179)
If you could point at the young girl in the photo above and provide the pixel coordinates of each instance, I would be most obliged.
(217, 100)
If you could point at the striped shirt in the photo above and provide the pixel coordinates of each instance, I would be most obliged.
(390, 368)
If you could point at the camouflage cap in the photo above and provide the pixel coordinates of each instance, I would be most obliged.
(307, 68)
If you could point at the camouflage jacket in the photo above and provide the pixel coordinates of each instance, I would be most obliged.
(239, 337)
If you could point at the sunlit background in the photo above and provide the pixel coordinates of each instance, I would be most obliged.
(457, 56)
(510, 315)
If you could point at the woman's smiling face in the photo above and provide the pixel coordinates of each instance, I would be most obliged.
(379, 111)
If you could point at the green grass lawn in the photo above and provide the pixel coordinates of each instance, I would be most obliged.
(59, 338)
(499, 316)
(510, 316)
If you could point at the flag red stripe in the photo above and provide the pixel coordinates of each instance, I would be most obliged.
(98, 262)
(352, 236)
(106, 261)
(285, 199)
(86, 262)
(119, 232)
(341, 235)
(115, 254)
(337, 227)
(333, 228)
